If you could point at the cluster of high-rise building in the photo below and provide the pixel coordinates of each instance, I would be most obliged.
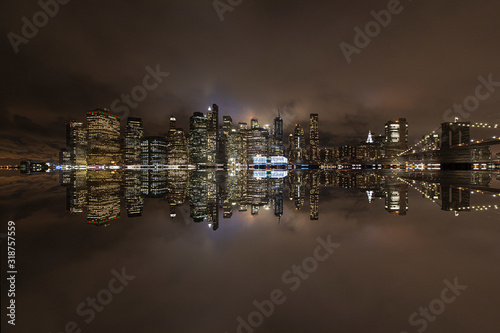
(376, 147)
(209, 143)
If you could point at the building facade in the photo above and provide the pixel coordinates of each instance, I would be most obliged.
(134, 133)
(103, 138)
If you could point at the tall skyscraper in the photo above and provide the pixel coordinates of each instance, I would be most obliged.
(396, 137)
(257, 141)
(134, 134)
(314, 137)
(277, 148)
(213, 119)
(177, 148)
(297, 144)
(227, 127)
(198, 137)
(212, 134)
(236, 148)
(103, 138)
(227, 124)
(76, 143)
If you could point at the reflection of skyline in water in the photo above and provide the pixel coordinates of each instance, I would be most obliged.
(210, 195)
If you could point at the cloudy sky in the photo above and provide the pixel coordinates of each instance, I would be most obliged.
(263, 56)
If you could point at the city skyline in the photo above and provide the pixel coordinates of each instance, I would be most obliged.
(401, 73)
(105, 141)
(250, 166)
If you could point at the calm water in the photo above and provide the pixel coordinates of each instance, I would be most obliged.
(210, 251)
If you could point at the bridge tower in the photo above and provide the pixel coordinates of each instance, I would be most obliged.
(454, 134)
(453, 198)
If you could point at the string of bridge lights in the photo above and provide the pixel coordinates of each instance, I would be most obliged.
(468, 208)
(475, 125)
(418, 143)
(478, 208)
(418, 190)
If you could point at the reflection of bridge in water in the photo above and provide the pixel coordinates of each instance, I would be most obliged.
(452, 190)
(455, 149)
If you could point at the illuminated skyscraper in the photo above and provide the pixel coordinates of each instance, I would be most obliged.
(236, 147)
(227, 127)
(134, 134)
(297, 145)
(103, 138)
(277, 147)
(257, 141)
(76, 143)
(177, 148)
(213, 119)
(198, 138)
(396, 137)
(314, 137)
(154, 151)
(212, 134)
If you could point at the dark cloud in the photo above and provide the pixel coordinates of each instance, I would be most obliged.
(264, 55)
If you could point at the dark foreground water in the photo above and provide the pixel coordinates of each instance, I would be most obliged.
(244, 252)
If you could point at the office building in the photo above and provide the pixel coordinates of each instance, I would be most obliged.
(314, 137)
(227, 127)
(154, 151)
(198, 137)
(277, 147)
(177, 147)
(134, 134)
(257, 141)
(212, 134)
(76, 143)
(103, 138)
(396, 137)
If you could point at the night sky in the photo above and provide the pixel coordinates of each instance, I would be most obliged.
(264, 55)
